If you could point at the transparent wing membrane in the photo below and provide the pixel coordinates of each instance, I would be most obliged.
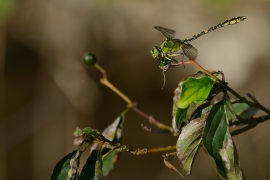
(190, 51)
(168, 33)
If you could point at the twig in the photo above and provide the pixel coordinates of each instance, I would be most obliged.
(107, 83)
(257, 104)
(130, 105)
(151, 119)
(136, 151)
(153, 130)
(252, 122)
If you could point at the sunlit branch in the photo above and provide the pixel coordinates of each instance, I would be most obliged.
(136, 151)
(131, 105)
(107, 83)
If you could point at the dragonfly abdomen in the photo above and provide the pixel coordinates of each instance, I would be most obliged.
(225, 23)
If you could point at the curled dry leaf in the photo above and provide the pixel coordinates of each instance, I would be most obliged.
(169, 165)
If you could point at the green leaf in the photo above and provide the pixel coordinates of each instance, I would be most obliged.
(244, 110)
(86, 134)
(229, 111)
(61, 169)
(178, 118)
(179, 115)
(6, 7)
(216, 134)
(194, 89)
(114, 133)
(206, 110)
(115, 130)
(182, 115)
(108, 162)
(188, 143)
(230, 159)
(185, 115)
(98, 168)
(91, 168)
(87, 131)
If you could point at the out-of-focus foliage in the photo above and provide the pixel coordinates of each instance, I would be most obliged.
(221, 3)
(6, 7)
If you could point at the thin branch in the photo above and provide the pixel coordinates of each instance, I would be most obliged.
(130, 105)
(85, 147)
(161, 149)
(136, 151)
(253, 122)
(151, 119)
(257, 104)
(107, 83)
(153, 130)
(244, 129)
(239, 121)
(145, 150)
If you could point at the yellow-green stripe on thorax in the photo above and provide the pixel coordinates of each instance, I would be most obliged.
(167, 46)
(171, 45)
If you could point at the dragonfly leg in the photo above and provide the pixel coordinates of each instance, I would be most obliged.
(174, 65)
(176, 54)
(173, 60)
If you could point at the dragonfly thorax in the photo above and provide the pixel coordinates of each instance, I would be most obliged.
(170, 45)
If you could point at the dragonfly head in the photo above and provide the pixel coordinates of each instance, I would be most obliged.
(164, 63)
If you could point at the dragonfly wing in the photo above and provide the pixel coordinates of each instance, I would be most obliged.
(190, 51)
(168, 33)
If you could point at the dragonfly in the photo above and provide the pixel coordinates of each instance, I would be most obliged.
(166, 50)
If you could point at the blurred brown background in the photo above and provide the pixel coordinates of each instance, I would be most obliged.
(46, 90)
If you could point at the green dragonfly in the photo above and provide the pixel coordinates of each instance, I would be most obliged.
(165, 52)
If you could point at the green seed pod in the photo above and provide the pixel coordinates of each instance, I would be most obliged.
(89, 59)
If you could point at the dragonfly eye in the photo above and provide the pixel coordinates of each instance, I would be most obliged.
(155, 52)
